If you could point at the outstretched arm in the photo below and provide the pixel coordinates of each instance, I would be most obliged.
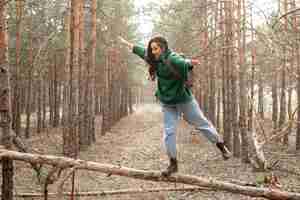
(193, 62)
(136, 49)
(125, 42)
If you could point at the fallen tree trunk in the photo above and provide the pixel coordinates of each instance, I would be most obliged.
(62, 162)
(115, 192)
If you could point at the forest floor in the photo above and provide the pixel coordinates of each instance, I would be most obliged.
(136, 142)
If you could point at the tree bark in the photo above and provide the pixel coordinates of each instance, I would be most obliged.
(290, 113)
(82, 79)
(234, 87)
(5, 107)
(275, 101)
(227, 93)
(44, 92)
(252, 81)
(213, 68)
(17, 81)
(282, 115)
(92, 111)
(298, 89)
(261, 96)
(50, 89)
(71, 139)
(67, 19)
(39, 104)
(56, 96)
(243, 88)
(105, 98)
(29, 88)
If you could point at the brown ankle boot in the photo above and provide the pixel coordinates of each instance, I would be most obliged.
(172, 168)
(225, 152)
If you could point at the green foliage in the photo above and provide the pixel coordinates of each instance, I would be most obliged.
(260, 178)
(180, 24)
(45, 20)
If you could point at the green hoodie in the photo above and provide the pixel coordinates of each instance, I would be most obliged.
(169, 89)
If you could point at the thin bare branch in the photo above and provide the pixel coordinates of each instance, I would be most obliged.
(117, 192)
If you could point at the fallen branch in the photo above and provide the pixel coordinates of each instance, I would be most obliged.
(50, 179)
(284, 130)
(257, 158)
(62, 182)
(274, 194)
(284, 15)
(115, 192)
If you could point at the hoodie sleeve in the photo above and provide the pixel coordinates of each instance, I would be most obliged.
(190, 66)
(139, 50)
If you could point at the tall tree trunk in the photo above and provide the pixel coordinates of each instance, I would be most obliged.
(298, 94)
(29, 87)
(5, 107)
(219, 106)
(257, 156)
(213, 77)
(17, 90)
(282, 114)
(219, 61)
(222, 64)
(253, 60)
(82, 76)
(290, 100)
(85, 135)
(56, 94)
(92, 131)
(44, 92)
(50, 88)
(243, 89)
(39, 104)
(234, 87)
(261, 96)
(298, 84)
(227, 84)
(275, 101)
(66, 90)
(106, 121)
(205, 61)
(71, 140)
(294, 68)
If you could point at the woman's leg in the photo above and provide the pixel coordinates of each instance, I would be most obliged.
(171, 117)
(194, 116)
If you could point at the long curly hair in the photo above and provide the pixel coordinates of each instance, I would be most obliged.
(150, 58)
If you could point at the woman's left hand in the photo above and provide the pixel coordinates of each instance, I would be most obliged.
(195, 62)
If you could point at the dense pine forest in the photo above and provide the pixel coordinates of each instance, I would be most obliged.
(78, 115)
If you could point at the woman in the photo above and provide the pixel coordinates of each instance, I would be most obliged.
(176, 99)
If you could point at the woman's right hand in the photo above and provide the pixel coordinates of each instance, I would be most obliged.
(123, 41)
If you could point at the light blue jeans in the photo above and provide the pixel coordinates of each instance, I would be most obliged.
(193, 115)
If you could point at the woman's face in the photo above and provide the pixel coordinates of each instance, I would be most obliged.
(156, 50)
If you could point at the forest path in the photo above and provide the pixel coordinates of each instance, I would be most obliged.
(136, 142)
